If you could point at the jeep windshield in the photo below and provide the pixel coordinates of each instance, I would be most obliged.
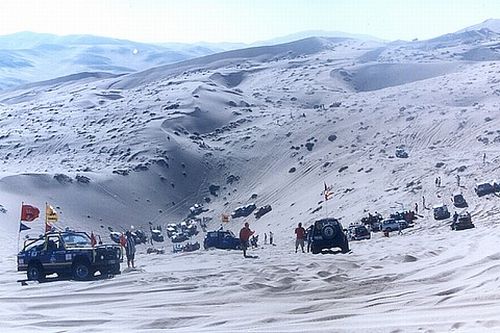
(34, 244)
(76, 240)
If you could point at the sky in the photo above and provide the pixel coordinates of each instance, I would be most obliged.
(246, 21)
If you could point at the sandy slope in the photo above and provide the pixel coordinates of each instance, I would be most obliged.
(282, 124)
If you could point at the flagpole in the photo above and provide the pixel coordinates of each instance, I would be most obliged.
(19, 230)
(326, 207)
(46, 218)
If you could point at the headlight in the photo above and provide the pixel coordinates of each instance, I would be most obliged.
(102, 257)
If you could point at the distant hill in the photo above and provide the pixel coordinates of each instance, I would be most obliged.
(491, 24)
(27, 57)
(315, 33)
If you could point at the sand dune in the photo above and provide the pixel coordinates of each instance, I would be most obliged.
(267, 125)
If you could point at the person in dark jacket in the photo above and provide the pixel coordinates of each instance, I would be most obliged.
(245, 234)
(130, 249)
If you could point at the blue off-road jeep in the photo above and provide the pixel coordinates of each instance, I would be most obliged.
(222, 239)
(67, 253)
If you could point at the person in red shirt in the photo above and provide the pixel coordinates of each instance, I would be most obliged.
(245, 234)
(301, 233)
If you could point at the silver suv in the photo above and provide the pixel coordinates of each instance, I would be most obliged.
(393, 225)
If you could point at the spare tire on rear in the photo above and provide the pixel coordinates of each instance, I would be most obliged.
(328, 232)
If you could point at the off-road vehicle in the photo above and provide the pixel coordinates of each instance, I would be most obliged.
(358, 232)
(484, 189)
(393, 225)
(459, 200)
(262, 211)
(243, 211)
(441, 212)
(221, 239)
(462, 222)
(326, 234)
(401, 153)
(67, 253)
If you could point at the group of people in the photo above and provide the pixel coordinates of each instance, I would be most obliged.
(246, 233)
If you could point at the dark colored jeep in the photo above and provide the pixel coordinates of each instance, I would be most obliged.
(401, 153)
(462, 222)
(222, 239)
(262, 211)
(459, 200)
(358, 232)
(484, 189)
(67, 253)
(441, 212)
(326, 234)
(243, 211)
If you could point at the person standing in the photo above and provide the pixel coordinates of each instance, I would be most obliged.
(271, 235)
(309, 236)
(130, 249)
(416, 207)
(300, 232)
(245, 234)
(458, 180)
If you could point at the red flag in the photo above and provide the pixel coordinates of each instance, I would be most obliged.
(327, 192)
(48, 227)
(29, 213)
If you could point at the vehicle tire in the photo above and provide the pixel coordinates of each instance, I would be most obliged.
(81, 271)
(35, 272)
(315, 250)
(115, 269)
(328, 232)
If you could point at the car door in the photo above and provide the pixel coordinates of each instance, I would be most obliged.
(54, 252)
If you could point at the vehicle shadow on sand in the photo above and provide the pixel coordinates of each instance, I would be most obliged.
(55, 278)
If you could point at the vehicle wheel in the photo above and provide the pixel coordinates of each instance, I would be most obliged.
(315, 250)
(328, 232)
(81, 271)
(35, 272)
(115, 269)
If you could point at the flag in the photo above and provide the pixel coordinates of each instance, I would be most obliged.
(51, 214)
(29, 213)
(23, 227)
(48, 227)
(327, 192)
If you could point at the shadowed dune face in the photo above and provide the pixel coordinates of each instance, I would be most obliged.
(380, 76)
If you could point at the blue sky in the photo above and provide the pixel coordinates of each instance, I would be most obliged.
(242, 20)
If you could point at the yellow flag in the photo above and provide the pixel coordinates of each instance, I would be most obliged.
(51, 214)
